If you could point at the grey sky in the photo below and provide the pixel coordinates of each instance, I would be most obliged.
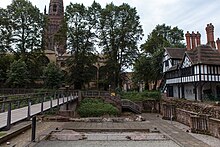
(189, 15)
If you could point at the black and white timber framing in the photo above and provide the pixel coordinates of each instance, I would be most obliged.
(192, 74)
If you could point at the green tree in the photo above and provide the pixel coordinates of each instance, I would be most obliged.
(163, 36)
(120, 31)
(18, 75)
(21, 31)
(26, 26)
(53, 76)
(148, 67)
(81, 38)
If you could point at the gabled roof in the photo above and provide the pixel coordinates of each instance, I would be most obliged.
(204, 54)
(175, 53)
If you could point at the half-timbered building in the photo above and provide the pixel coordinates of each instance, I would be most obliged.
(193, 72)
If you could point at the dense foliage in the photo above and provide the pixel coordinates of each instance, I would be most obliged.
(52, 76)
(141, 96)
(95, 108)
(18, 75)
(115, 29)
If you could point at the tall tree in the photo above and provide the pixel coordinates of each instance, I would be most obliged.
(21, 28)
(26, 23)
(120, 31)
(163, 36)
(148, 67)
(81, 38)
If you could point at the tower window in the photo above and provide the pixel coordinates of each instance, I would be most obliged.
(54, 8)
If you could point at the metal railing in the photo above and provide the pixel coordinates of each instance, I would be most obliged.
(12, 102)
(131, 105)
(95, 94)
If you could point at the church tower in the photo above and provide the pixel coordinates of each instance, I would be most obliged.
(55, 20)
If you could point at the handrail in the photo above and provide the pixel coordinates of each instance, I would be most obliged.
(95, 93)
(43, 102)
(131, 105)
(22, 100)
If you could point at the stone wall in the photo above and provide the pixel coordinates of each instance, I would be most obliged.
(183, 116)
(214, 127)
(200, 117)
(211, 109)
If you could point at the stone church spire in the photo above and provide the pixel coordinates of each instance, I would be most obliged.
(56, 7)
(55, 18)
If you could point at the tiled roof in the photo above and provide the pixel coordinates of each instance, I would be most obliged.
(204, 54)
(176, 53)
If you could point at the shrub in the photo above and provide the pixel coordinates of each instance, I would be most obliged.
(141, 96)
(95, 108)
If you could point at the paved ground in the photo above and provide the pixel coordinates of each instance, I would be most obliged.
(176, 136)
(152, 122)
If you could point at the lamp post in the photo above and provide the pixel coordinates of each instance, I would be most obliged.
(109, 88)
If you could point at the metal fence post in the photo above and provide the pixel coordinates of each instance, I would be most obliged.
(18, 104)
(3, 104)
(58, 100)
(33, 135)
(68, 96)
(29, 109)
(51, 102)
(42, 105)
(63, 97)
(9, 117)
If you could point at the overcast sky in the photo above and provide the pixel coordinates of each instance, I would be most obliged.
(188, 15)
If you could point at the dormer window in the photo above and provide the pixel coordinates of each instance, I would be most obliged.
(54, 8)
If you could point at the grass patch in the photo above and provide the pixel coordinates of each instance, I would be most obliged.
(141, 96)
(95, 108)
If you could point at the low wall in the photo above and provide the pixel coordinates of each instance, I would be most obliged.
(184, 116)
(214, 127)
(211, 109)
(201, 118)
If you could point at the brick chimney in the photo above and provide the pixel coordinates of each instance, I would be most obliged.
(193, 37)
(210, 35)
(207, 33)
(188, 41)
(218, 44)
(198, 39)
